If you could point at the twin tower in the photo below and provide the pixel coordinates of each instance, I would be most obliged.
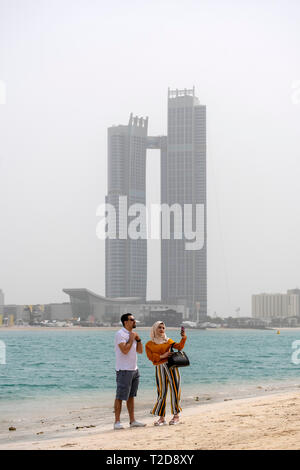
(183, 181)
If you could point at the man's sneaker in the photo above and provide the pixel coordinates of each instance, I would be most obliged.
(137, 424)
(118, 425)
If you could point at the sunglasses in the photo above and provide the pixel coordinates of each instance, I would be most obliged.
(131, 319)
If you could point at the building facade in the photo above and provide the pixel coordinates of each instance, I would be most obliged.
(126, 259)
(89, 306)
(183, 181)
(269, 306)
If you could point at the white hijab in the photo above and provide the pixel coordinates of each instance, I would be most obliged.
(154, 336)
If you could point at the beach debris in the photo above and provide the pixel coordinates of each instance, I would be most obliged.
(12, 428)
(85, 427)
(38, 433)
(227, 399)
(196, 398)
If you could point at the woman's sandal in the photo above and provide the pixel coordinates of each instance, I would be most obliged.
(174, 421)
(160, 423)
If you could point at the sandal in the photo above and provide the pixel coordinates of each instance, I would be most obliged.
(160, 423)
(174, 421)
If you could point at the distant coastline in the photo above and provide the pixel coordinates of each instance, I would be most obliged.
(115, 328)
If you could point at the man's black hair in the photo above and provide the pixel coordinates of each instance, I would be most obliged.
(125, 317)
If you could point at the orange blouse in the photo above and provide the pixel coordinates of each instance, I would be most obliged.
(154, 351)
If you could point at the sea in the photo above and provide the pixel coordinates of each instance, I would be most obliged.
(66, 378)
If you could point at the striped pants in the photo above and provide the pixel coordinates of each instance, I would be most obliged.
(167, 377)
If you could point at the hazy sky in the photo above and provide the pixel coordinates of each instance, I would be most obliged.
(71, 68)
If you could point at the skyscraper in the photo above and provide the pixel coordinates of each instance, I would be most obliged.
(126, 259)
(183, 181)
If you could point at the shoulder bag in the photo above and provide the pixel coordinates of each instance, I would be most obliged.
(178, 359)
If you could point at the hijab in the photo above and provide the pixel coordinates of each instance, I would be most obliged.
(154, 335)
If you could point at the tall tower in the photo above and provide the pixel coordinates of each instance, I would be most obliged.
(126, 259)
(183, 181)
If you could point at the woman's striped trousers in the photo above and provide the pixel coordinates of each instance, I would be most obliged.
(167, 377)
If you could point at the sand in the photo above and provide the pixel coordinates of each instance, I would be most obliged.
(265, 422)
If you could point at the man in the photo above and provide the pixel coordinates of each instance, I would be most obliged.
(127, 345)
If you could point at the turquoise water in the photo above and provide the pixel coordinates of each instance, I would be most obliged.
(60, 363)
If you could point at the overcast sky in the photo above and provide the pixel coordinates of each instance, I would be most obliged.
(71, 68)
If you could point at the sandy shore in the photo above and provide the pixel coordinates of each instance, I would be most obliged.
(268, 422)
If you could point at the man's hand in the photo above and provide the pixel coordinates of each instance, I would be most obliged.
(132, 336)
(139, 346)
(125, 347)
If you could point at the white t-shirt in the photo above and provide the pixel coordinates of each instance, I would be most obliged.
(125, 361)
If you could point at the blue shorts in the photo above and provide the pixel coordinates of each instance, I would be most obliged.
(127, 384)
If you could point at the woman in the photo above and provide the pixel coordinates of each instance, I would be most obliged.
(158, 351)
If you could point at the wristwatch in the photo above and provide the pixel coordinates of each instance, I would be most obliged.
(138, 340)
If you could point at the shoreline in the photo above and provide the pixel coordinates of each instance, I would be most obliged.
(142, 328)
(261, 422)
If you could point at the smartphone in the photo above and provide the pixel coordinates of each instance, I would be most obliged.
(182, 330)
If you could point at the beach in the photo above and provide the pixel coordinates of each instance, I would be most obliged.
(57, 390)
(264, 422)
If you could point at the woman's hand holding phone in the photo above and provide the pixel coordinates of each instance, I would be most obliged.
(182, 331)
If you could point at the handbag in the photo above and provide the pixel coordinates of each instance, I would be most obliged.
(178, 359)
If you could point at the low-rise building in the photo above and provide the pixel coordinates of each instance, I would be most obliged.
(270, 306)
(58, 311)
(89, 306)
(170, 317)
(1, 301)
